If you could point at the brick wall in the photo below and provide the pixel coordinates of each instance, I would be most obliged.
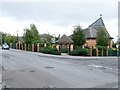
(92, 42)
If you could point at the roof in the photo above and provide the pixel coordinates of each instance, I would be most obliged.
(99, 22)
(65, 40)
(91, 31)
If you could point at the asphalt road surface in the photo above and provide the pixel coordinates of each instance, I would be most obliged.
(21, 69)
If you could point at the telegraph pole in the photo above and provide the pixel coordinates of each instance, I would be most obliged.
(17, 35)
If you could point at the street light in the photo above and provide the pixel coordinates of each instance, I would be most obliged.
(19, 44)
(117, 49)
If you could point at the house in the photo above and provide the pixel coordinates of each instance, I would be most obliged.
(65, 42)
(91, 33)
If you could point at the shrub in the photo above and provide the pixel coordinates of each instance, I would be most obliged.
(29, 47)
(48, 50)
(93, 52)
(64, 50)
(79, 52)
(112, 52)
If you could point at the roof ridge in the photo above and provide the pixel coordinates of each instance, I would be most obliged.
(96, 21)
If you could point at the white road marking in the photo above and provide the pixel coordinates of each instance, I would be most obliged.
(98, 66)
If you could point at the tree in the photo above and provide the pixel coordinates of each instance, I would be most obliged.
(78, 36)
(46, 38)
(57, 38)
(7, 39)
(10, 39)
(102, 38)
(35, 34)
(28, 36)
(3, 37)
(31, 35)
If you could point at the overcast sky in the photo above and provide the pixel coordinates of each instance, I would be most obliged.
(57, 16)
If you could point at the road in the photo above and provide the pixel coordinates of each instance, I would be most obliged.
(21, 69)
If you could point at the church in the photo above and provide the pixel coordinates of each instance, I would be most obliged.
(91, 33)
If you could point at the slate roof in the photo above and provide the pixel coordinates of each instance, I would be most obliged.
(91, 31)
(99, 22)
(65, 40)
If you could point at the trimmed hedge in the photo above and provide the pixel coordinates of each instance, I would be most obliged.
(79, 52)
(64, 50)
(112, 52)
(48, 50)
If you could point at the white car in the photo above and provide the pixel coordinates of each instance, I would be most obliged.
(5, 46)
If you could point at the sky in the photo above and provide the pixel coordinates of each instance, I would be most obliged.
(57, 16)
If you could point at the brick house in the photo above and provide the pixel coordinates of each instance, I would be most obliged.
(91, 33)
(64, 42)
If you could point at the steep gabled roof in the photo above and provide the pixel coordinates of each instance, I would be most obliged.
(91, 31)
(99, 22)
(65, 40)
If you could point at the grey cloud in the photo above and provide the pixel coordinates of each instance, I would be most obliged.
(59, 13)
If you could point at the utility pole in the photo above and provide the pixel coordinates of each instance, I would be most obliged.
(17, 35)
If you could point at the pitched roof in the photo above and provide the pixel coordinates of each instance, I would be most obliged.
(65, 40)
(99, 22)
(91, 31)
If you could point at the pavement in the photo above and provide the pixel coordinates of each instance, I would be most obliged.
(22, 69)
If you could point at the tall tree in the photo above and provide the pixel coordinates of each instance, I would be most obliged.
(102, 38)
(35, 34)
(57, 37)
(3, 37)
(10, 39)
(31, 35)
(78, 36)
(28, 36)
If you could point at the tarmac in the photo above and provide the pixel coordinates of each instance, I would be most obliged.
(63, 56)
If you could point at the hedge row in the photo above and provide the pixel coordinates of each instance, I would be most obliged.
(79, 52)
(48, 50)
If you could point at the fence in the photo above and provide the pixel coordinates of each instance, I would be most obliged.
(113, 53)
(37, 47)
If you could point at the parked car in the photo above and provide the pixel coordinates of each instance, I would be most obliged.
(5, 46)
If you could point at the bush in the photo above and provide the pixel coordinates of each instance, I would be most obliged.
(112, 52)
(48, 50)
(64, 50)
(29, 47)
(79, 52)
(93, 52)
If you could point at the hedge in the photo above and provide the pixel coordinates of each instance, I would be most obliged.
(48, 50)
(79, 52)
(64, 50)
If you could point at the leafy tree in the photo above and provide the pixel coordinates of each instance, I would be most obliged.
(102, 38)
(114, 44)
(57, 38)
(10, 39)
(46, 38)
(49, 38)
(7, 39)
(28, 36)
(78, 36)
(31, 35)
(3, 37)
(35, 34)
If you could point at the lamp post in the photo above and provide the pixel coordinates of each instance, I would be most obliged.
(117, 49)
(19, 44)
